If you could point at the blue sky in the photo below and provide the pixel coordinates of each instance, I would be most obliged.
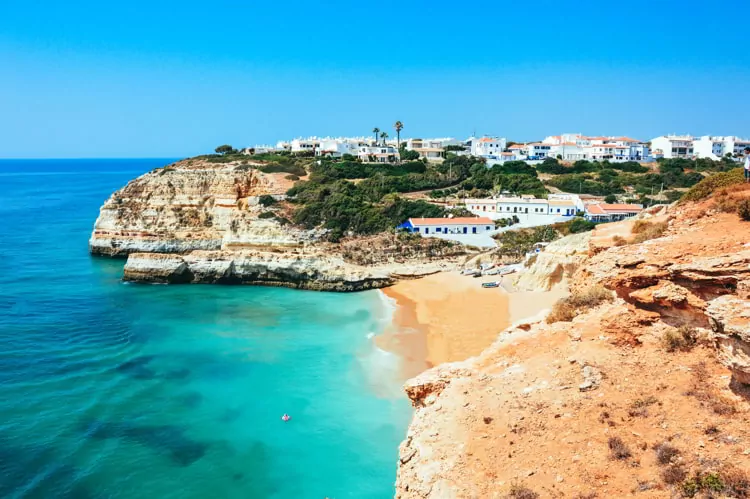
(168, 79)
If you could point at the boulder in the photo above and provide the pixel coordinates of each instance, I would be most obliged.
(729, 317)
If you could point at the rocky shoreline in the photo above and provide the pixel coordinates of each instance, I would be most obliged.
(204, 223)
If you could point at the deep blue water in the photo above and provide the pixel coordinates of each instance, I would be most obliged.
(119, 390)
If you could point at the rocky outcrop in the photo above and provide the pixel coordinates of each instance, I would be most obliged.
(316, 272)
(730, 323)
(540, 407)
(559, 260)
(202, 222)
(192, 205)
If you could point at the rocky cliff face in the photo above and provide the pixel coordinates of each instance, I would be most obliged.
(199, 222)
(191, 205)
(556, 264)
(582, 408)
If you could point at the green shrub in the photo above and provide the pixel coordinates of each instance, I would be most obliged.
(266, 215)
(579, 225)
(266, 200)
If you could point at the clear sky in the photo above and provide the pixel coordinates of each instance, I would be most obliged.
(177, 78)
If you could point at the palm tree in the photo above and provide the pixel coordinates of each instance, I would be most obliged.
(383, 135)
(398, 126)
(376, 131)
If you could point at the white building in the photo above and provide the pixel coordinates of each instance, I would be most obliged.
(717, 147)
(378, 154)
(574, 147)
(673, 146)
(567, 151)
(301, 145)
(603, 212)
(529, 210)
(442, 226)
(336, 148)
(487, 146)
(537, 150)
(430, 149)
(503, 157)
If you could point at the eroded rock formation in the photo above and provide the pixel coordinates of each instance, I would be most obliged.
(202, 222)
(540, 408)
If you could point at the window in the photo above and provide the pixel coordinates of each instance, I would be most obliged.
(438, 229)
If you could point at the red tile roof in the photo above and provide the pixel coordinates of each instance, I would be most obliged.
(452, 221)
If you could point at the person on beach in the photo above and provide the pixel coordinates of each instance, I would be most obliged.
(747, 165)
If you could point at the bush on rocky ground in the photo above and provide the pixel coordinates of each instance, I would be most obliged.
(683, 338)
(569, 307)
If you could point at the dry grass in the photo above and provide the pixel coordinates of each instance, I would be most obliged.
(567, 308)
(743, 210)
(619, 240)
(665, 453)
(683, 339)
(617, 449)
(518, 491)
(673, 474)
(704, 392)
(709, 185)
(639, 408)
(645, 230)
(736, 482)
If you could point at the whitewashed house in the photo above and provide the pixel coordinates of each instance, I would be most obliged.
(673, 146)
(378, 154)
(302, 145)
(487, 146)
(718, 147)
(529, 210)
(430, 149)
(567, 151)
(604, 212)
(336, 148)
(538, 150)
(436, 227)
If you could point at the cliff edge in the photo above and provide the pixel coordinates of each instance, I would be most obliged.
(198, 221)
(635, 385)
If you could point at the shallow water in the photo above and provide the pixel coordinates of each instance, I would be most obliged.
(110, 389)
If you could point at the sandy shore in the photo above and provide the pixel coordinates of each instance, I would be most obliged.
(448, 317)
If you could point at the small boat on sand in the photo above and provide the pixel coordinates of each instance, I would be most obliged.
(491, 284)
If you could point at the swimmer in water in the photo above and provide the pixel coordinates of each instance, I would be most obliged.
(285, 417)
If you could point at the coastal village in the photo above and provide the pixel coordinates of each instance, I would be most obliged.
(519, 209)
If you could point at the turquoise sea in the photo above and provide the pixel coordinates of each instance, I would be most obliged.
(114, 390)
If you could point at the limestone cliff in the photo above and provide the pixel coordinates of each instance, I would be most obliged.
(192, 205)
(557, 263)
(633, 396)
(201, 222)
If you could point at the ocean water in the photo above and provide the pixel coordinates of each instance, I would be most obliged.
(119, 390)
